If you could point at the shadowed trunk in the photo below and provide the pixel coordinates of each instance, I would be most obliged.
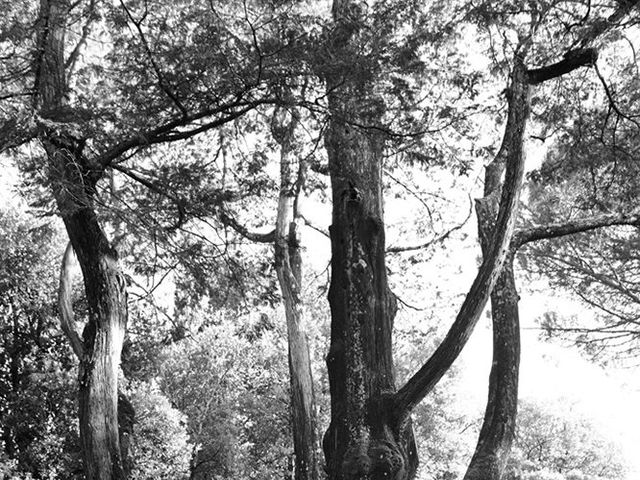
(288, 262)
(498, 428)
(363, 440)
(73, 180)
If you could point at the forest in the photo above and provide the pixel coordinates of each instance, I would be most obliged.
(319, 239)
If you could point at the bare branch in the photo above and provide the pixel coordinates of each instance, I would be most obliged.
(555, 230)
(433, 241)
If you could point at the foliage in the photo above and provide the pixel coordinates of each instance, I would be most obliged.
(230, 381)
(161, 448)
(37, 383)
(555, 442)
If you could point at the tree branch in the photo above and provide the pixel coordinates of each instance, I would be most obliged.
(572, 60)
(555, 230)
(433, 241)
(229, 221)
(169, 132)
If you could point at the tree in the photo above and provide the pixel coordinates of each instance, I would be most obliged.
(368, 435)
(227, 393)
(492, 451)
(562, 442)
(370, 432)
(36, 364)
(57, 100)
(288, 264)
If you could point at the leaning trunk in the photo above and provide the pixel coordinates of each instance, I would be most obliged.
(104, 333)
(288, 261)
(73, 181)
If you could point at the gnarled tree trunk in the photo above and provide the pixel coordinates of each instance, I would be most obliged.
(73, 181)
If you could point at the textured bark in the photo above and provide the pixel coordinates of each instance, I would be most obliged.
(288, 261)
(498, 427)
(363, 441)
(104, 333)
(73, 180)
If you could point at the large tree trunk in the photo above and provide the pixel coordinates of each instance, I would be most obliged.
(362, 441)
(288, 262)
(73, 180)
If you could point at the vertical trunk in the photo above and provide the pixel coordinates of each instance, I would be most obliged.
(73, 180)
(288, 261)
(363, 441)
(498, 428)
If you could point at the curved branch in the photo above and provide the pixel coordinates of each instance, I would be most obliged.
(422, 382)
(229, 221)
(65, 304)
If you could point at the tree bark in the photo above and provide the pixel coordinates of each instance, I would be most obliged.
(362, 441)
(73, 180)
(498, 428)
(288, 262)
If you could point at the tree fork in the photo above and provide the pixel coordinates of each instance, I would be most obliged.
(511, 157)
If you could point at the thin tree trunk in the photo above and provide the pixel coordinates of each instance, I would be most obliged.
(498, 428)
(501, 217)
(73, 180)
(288, 262)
